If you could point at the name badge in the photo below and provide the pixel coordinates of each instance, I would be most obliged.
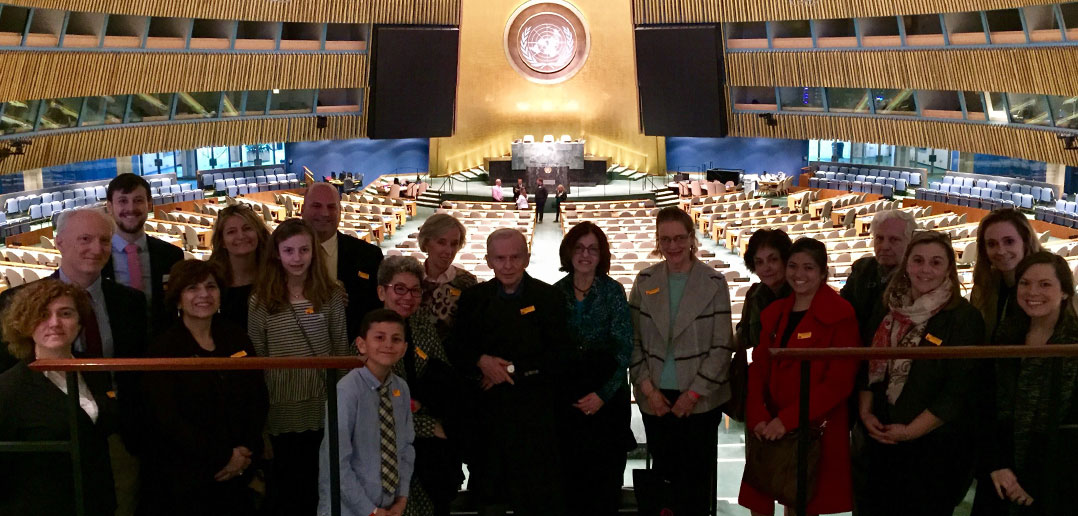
(239, 354)
(420, 353)
(933, 339)
(396, 393)
(806, 335)
(111, 394)
(652, 291)
(363, 275)
(309, 310)
(164, 281)
(454, 292)
(527, 310)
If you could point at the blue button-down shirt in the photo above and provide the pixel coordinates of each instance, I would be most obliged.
(101, 312)
(119, 263)
(360, 445)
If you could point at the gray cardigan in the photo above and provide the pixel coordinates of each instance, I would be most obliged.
(702, 339)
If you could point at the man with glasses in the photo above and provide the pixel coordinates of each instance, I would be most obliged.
(510, 334)
(352, 261)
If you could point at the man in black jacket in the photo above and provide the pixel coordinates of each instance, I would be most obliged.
(352, 261)
(540, 200)
(118, 329)
(511, 336)
(129, 202)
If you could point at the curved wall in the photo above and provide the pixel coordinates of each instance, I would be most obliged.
(702, 11)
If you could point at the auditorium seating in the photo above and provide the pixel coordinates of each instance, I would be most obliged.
(991, 188)
(860, 183)
(237, 183)
(900, 180)
(1002, 200)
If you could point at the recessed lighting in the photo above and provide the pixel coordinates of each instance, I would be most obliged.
(276, 91)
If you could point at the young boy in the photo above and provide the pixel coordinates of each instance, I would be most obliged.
(374, 422)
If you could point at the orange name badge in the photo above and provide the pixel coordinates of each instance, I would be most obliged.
(363, 275)
(527, 310)
(239, 354)
(420, 353)
(806, 335)
(309, 310)
(396, 393)
(454, 292)
(652, 291)
(111, 394)
(933, 339)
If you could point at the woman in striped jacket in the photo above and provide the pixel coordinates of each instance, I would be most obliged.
(296, 310)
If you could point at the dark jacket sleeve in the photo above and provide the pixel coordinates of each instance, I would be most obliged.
(462, 345)
(953, 399)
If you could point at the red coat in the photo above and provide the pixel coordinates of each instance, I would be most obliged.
(829, 323)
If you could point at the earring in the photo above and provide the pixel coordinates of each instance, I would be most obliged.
(179, 313)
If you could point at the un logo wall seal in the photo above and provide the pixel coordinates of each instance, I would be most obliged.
(546, 41)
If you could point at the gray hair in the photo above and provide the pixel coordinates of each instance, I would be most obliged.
(883, 216)
(503, 233)
(394, 265)
(436, 225)
(64, 216)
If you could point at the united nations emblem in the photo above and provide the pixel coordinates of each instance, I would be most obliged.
(546, 41)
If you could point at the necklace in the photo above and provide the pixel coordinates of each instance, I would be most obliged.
(583, 290)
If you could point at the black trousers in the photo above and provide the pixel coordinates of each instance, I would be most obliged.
(683, 451)
(595, 450)
(292, 489)
(539, 211)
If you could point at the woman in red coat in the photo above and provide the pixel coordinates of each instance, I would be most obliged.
(814, 316)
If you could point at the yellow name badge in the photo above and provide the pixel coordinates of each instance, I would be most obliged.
(652, 291)
(527, 310)
(309, 310)
(454, 292)
(363, 275)
(111, 394)
(806, 335)
(420, 353)
(933, 339)
(239, 354)
(396, 393)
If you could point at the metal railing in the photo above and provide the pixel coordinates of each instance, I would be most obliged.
(806, 356)
(331, 366)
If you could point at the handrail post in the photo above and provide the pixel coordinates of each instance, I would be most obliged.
(803, 439)
(73, 409)
(334, 459)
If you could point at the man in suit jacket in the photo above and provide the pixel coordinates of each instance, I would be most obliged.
(117, 330)
(352, 261)
(540, 200)
(521, 373)
(129, 202)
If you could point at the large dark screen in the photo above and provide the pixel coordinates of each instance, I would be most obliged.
(413, 83)
(680, 79)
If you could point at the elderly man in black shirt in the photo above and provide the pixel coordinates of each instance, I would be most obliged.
(511, 336)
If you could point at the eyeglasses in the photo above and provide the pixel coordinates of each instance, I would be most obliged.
(400, 289)
(591, 249)
(679, 239)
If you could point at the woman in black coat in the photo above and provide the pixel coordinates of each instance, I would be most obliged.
(43, 321)
(206, 426)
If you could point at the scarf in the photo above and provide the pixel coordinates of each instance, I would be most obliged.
(904, 327)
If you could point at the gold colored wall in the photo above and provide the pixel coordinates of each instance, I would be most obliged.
(1046, 70)
(435, 12)
(49, 74)
(495, 104)
(56, 149)
(701, 11)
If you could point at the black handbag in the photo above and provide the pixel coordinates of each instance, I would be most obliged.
(771, 466)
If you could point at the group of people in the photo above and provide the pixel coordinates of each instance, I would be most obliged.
(520, 197)
(523, 381)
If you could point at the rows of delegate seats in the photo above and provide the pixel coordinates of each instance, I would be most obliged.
(250, 181)
(986, 194)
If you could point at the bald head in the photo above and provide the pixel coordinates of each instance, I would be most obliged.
(322, 209)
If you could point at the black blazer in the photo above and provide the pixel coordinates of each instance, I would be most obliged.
(32, 408)
(163, 256)
(357, 270)
(196, 418)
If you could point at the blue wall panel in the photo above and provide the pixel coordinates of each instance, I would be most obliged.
(78, 172)
(1009, 167)
(10, 183)
(372, 158)
(754, 155)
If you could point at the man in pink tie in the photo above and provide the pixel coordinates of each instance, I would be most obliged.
(139, 261)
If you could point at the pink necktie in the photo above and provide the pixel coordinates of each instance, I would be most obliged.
(134, 266)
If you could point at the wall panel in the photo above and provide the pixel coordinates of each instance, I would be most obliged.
(987, 139)
(706, 11)
(106, 143)
(1045, 70)
(75, 74)
(434, 12)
